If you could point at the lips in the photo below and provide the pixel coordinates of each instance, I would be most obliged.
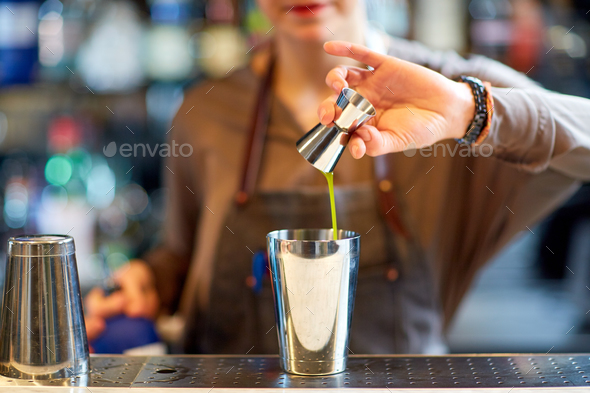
(308, 10)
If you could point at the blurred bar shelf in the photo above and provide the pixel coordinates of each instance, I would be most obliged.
(494, 372)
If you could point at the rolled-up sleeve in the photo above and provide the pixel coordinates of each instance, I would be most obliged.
(536, 129)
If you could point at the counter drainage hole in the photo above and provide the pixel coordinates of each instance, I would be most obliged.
(166, 371)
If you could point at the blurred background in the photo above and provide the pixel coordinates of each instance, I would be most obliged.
(78, 75)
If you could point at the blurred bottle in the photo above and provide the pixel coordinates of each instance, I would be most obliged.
(110, 59)
(18, 41)
(61, 29)
(220, 47)
(167, 41)
(392, 16)
(51, 34)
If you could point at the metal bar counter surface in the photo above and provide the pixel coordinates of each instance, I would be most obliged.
(465, 373)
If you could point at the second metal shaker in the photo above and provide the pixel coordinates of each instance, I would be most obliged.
(42, 334)
(323, 145)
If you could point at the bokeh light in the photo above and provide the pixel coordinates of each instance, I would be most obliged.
(112, 221)
(116, 260)
(16, 203)
(100, 186)
(135, 199)
(58, 170)
(54, 198)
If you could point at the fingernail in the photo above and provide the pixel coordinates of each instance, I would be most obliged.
(322, 114)
(355, 151)
(336, 86)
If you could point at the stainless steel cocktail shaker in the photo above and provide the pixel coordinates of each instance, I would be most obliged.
(324, 144)
(314, 283)
(42, 334)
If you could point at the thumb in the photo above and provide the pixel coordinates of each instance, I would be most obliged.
(328, 110)
(380, 142)
(94, 326)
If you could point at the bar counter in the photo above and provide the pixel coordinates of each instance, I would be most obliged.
(203, 373)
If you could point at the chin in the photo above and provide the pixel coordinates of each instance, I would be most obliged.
(310, 33)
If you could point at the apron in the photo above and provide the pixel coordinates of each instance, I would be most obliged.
(396, 308)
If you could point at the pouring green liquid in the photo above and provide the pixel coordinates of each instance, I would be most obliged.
(330, 178)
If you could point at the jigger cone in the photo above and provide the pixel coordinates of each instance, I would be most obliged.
(324, 144)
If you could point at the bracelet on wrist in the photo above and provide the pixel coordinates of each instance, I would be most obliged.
(480, 119)
(490, 106)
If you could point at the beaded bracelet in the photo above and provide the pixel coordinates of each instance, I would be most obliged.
(490, 105)
(480, 118)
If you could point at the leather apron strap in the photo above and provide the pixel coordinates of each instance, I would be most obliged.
(256, 135)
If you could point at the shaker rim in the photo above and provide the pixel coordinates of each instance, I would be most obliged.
(41, 245)
(276, 234)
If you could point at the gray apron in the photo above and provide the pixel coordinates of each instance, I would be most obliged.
(396, 307)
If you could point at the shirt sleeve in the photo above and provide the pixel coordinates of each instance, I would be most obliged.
(532, 128)
(536, 129)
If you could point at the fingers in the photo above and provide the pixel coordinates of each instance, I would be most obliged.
(344, 76)
(369, 140)
(133, 290)
(102, 306)
(137, 288)
(356, 146)
(328, 110)
(137, 296)
(363, 141)
(355, 51)
(94, 326)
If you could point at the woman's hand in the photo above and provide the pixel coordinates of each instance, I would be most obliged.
(137, 297)
(416, 107)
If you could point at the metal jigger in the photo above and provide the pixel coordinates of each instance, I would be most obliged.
(324, 144)
(42, 334)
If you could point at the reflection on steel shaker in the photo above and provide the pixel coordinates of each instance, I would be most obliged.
(314, 283)
(42, 333)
